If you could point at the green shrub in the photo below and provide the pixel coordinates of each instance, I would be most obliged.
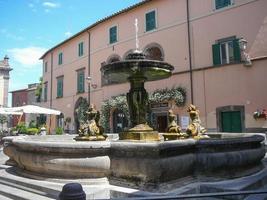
(32, 124)
(21, 128)
(32, 131)
(59, 131)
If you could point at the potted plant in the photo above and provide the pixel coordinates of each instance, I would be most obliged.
(260, 114)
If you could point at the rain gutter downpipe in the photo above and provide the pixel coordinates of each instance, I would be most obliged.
(189, 50)
(51, 92)
(89, 71)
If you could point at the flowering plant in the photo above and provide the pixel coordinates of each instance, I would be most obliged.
(260, 114)
(178, 95)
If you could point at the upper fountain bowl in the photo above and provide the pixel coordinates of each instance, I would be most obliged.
(134, 65)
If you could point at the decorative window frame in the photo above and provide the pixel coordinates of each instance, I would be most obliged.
(81, 42)
(81, 70)
(60, 58)
(45, 97)
(117, 34)
(219, 9)
(239, 108)
(156, 19)
(57, 78)
(45, 66)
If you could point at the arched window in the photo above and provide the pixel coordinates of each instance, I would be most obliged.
(154, 52)
(110, 59)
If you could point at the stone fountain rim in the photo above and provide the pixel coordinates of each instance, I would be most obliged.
(139, 61)
(25, 143)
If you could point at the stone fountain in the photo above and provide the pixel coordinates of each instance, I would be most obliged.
(139, 158)
(137, 70)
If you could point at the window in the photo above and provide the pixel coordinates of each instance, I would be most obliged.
(45, 92)
(60, 86)
(80, 49)
(226, 51)
(222, 3)
(151, 20)
(113, 35)
(80, 81)
(45, 67)
(60, 58)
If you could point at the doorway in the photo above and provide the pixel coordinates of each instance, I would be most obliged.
(162, 123)
(231, 121)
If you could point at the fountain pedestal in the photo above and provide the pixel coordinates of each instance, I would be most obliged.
(140, 132)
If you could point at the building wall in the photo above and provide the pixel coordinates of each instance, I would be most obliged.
(213, 86)
(19, 98)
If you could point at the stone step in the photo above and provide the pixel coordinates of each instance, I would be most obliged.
(21, 188)
(30, 187)
(15, 191)
(5, 198)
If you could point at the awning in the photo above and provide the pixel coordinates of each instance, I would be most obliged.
(4, 111)
(32, 109)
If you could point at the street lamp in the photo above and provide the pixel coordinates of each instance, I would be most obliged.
(88, 80)
(244, 56)
(243, 44)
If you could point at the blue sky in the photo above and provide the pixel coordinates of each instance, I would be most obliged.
(30, 27)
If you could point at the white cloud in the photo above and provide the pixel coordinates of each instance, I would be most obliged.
(48, 4)
(68, 34)
(31, 5)
(28, 56)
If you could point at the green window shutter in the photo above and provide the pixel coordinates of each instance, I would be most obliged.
(113, 34)
(80, 49)
(80, 82)
(60, 58)
(237, 55)
(222, 3)
(150, 21)
(60, 87)
(45, 92)
(216, 54)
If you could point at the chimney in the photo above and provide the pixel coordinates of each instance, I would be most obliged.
(6, 58)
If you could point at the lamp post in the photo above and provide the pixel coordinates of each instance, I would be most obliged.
(88, 80)
(243, 44)
(244, 56)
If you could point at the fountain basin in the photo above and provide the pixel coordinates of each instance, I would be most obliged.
(151, 69)
(139, 163)
(58, 156)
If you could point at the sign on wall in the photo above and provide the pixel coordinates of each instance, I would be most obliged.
(184, 122)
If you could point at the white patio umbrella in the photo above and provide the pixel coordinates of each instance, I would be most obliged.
(32, 109)
(4, 111)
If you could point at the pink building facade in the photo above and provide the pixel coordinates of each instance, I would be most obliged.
(202, 42)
